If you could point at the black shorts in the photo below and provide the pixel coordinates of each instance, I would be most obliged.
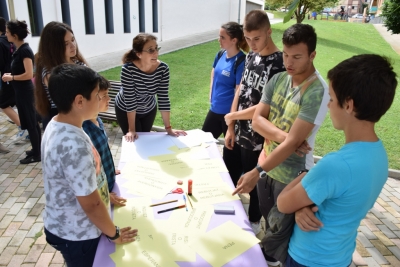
(7, 95)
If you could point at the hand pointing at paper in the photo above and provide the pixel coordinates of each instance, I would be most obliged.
(247, 182)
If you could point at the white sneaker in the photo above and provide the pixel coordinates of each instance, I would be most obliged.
(274, 263)
(3, 149)
(22, 135)
(256, 227)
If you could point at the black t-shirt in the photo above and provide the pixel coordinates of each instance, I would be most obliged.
(17, 65)
(5, 55)
(258, 70)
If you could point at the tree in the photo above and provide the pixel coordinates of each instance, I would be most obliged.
(275, 4)
(300, 8)
(391, 12)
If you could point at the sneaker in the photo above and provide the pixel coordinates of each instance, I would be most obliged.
(22, 135)
(274, 263)
(3, 149)
(256, 227)
(270, 260)
(30, 159)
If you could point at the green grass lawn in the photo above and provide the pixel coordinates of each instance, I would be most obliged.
(190, 78)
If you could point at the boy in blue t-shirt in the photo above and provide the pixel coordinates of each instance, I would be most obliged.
(345, 184)
(94, 128)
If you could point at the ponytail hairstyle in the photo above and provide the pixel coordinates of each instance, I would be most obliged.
(19, 28)
(235, 30)
(137, 46)
(51, 53)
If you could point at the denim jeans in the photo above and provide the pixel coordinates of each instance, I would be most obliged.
(75, 253)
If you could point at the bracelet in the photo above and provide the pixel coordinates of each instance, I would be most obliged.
(168, 127)
(13, 77)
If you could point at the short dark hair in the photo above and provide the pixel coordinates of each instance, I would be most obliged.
(369, 80)
(69, 80)
(18, 27)
(256, 20)
(300, 33)
(2, 25)
(104, 84)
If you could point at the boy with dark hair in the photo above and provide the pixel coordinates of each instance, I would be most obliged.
(94, 128)
(77, 207)
(292, 108)
(242, 144)
(345, 184)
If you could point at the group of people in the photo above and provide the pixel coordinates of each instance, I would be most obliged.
(269, 104)
(78, 167)
(270, 115)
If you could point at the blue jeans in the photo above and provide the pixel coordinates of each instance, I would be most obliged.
(75, 253)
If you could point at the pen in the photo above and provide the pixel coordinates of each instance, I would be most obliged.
(162, 203)
(184, 198)
(174, 208)
(189, 201)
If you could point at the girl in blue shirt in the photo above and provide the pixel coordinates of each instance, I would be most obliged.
(225, 77)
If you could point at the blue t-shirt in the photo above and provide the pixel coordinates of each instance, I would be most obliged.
(344, 185)
(224, 82)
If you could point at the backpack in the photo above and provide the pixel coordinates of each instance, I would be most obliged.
(238, 60)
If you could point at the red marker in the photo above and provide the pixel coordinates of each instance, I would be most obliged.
(190, 183)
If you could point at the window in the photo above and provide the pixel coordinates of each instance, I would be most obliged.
(108, 6)
(89, 19)
(127, 16)
(142, 26)
(155, 15)
(35, 17)
(3, 10)
(66, 15)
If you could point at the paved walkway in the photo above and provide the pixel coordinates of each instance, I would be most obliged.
(22, 242)
(392, 39)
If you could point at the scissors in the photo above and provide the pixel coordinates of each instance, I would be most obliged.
(176, 191)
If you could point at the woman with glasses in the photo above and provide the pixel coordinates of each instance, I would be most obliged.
(143, 77)
(57, 45)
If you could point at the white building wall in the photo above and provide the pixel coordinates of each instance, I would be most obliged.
(176, 18)
(187, 17)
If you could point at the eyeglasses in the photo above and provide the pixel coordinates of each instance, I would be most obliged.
(101, 97)
(152, 51)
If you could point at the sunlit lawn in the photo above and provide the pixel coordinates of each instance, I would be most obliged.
(190, 77)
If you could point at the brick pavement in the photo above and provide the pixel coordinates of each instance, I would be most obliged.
(22, 242)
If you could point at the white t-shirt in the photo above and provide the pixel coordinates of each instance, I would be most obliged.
(71, 167)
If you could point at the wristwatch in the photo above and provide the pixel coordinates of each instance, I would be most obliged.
(115, 236)
(300, 172)
(261, 172)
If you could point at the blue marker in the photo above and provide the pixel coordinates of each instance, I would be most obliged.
(184, 198)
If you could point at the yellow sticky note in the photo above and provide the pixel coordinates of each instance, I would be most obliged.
(142, 252)
(137, 213)
(223, 243)
(195, 221)
(211, 195)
